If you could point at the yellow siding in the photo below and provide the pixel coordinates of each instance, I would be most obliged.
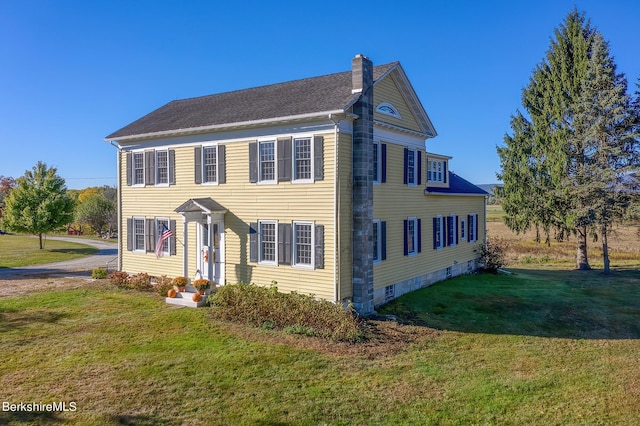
(246, 202)
(394, 202)
(387, 91)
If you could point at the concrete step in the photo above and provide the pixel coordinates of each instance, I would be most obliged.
(184, 298)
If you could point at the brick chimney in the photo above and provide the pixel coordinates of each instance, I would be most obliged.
(362, 197)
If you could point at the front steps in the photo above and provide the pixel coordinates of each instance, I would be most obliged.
(183, 298)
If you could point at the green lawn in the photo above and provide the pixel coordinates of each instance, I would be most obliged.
(21, 250)
(537, 347)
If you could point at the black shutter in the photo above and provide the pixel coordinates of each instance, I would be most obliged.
(406, 166)
(446, 231)
(444, 171)
(253, 162)
(475, 228)
(406, 237)
(319, 243)
(383, 150)
(197, 154)
(469, 225)
(285, 163)
(457, 224)
(419, 225)
(150, 168)
(435, 231)
(172, 167)
(419, 167)
(284, 243)
(383, 240)
(172, 240)
(130, 234)
(129, 167)
(253, 242)
(222, 164)
(318, 157)
(150, 234)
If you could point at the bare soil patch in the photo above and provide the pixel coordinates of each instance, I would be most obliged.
(32, 284)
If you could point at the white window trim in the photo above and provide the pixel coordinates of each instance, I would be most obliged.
(435, 170)
(440, 220)
(377, 225)
(388, 109)
(454, 222)
(156, 171)
(275, 163)
(295, 245)
(377, 148)
(312, 147)
(136, 249)
(463, 229)
(164, 219)
(133, 168)
(203, 169)
(415, 236)
(260, 257)
(473, 237)
(413, 152)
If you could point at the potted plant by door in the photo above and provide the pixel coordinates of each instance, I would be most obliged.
(179, 283)
(202, 285)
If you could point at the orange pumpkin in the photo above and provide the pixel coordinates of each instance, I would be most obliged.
(196, 297)
(171, 293)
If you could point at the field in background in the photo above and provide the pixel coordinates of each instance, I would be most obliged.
(523, 251)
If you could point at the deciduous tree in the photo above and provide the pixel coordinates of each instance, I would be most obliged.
(39, 203)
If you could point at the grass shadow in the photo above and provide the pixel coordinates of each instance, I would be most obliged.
(545, 303)
(141, 420)
(17, 319)
(31, 417)
(81, 251)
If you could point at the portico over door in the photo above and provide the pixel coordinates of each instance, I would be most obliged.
(207, 251)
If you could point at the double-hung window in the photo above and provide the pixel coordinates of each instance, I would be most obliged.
(209, 164)
(412, 236)
(463, 229)
(138, 168)
(302, 160)
(473, 227)
(411, 168)
(377, 246)
(438, 232)
(267, 159)
(162, 225)
(303, 244)
(162, 167)
(452, 230)
(138, 234)
(268, 242)
(376, 162)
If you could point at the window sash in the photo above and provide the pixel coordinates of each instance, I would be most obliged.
(138, 234)
(165, 243)
(411, 168)
(303, 243)
(162, 167)
(411, 236)
(377, 246)
(138, 168)
(303, 159)
(268, 242)
(209, 164)
(376, 162)
(267, 160)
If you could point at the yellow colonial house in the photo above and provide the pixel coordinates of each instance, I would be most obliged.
(322, 185)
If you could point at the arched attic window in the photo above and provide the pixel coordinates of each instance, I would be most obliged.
(388, 109)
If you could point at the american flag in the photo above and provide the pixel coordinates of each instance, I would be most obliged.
(165, 234)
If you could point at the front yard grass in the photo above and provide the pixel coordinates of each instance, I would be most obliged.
(22, 250)
(537, 347)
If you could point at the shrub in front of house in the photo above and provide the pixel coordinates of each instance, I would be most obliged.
(293, 312)
(162, 285)
(141, 281)
(492, 256)
(99, 274)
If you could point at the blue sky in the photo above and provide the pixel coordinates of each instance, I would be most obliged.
(74, 71)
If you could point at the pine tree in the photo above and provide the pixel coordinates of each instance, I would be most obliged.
(602, 148)
(564, 167)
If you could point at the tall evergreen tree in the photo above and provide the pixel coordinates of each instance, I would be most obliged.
(558, 160)
(603, 149)
(39, 203)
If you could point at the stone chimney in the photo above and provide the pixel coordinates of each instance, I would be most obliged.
(362, 197)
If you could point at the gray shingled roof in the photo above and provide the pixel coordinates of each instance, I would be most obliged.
(457, 185)
(307, 96)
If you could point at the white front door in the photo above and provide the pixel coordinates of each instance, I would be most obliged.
(211, 235)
